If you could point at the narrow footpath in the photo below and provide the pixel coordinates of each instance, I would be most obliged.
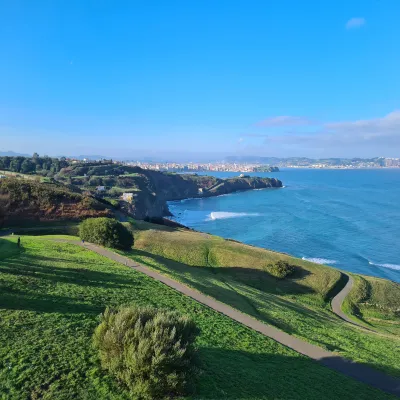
(354, 370)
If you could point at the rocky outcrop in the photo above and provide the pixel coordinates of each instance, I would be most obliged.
(151, 200)
(226, 186)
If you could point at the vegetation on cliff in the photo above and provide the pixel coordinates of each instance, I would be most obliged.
(23, 201)
(266, 168)
(152, 189)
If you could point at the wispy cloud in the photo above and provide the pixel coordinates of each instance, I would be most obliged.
(355, 23)
(365, 137)
(284, 120)
(387, 125)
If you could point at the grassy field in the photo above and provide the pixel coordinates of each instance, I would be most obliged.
(233, 273)
(312, 282)
(375, 302)
(50, 298)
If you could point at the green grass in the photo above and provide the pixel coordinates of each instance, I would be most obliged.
(313, 282)
(375, 302)
(233, 273)
(50, 298)
(8, 248)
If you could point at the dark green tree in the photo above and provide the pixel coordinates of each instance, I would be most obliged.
(151, 351)
(106, 232)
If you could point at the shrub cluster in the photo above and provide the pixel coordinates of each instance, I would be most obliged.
(106, 232)
(281, 269)
(151, 351)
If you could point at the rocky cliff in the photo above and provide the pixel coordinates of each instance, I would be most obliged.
(150, 190)
(151, 200)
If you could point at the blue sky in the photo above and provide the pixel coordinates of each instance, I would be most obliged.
(200, 79)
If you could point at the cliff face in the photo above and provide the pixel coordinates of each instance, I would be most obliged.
(150, 190)
(162, 187)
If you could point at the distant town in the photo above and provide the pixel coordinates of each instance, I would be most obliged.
(272, 165)
(14, 162)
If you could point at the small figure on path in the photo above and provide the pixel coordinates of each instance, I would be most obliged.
(19, 242)
(83, 242)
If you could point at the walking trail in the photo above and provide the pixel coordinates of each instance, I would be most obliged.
(331, 360)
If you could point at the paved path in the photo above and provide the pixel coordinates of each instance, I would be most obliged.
(360, 372)
(338, 300)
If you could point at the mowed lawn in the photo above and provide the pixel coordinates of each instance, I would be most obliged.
(298, 306)
(50, 299)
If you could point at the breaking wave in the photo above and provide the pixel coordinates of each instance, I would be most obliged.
(390, 266)
(318, 260)
(224, 215)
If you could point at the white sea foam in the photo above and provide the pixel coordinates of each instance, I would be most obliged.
(224, 215)
(390, 266)
(318, 260)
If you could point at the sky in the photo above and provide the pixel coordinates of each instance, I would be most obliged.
(200, 79)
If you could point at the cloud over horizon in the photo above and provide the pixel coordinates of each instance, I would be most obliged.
(353, 23)
(373, 137)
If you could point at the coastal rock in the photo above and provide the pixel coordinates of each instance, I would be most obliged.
(159, 187)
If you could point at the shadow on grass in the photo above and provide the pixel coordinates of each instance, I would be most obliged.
(13, 299)
(257, 278)
(77, 276)
(8, 249)
(230, 285)
(29, 286)
(243, 375)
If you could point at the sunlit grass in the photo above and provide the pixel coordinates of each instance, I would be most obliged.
(51, 296)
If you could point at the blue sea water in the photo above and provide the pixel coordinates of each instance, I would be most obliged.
(349, 219)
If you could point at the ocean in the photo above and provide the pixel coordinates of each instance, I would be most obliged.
(349, 219)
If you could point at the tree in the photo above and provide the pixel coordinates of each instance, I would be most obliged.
(27, 166)
(151, 351)
(15, 164)
(106, 232)
(281, 269)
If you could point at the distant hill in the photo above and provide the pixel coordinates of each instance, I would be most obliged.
(13, 154)
(25, 201)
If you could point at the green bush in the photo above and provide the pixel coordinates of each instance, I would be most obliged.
(106, 232)
(151, 351)
(281, 269)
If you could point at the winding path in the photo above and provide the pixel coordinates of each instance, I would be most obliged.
(359, 372)
(338, 300)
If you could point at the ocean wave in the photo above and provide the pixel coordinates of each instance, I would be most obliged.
(318, 260)
(224, 215)
(390, 266)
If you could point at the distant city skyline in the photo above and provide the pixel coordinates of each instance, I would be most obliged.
(199, 81)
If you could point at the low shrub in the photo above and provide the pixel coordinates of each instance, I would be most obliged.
(151, 351)
(106, 232)
(281, 269)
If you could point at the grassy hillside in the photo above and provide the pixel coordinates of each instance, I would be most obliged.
(24, 201)
(235, 274)
(51, 296)
(375, 301)
(311, 281)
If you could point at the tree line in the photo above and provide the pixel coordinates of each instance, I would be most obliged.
(45, 165)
